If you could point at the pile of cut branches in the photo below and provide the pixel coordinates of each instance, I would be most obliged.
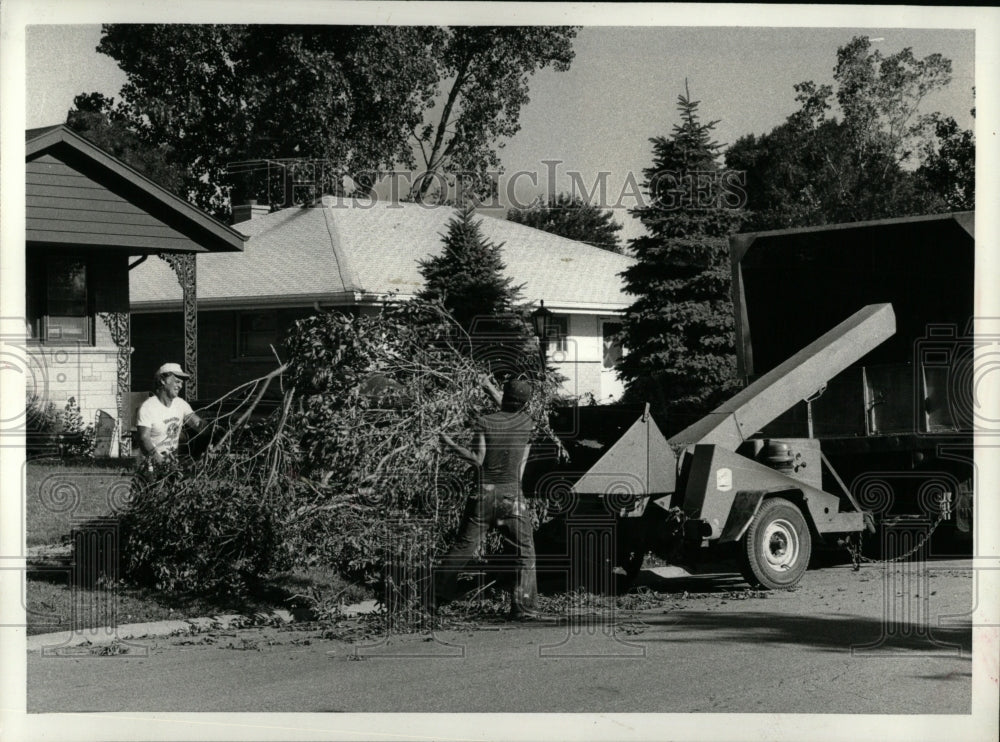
(348, 470)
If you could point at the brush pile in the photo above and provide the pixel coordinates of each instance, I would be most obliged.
(347, 468)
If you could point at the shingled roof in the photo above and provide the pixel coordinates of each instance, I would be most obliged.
(344, 254)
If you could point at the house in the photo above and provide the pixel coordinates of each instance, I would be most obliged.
(90, 220)
(336, 254)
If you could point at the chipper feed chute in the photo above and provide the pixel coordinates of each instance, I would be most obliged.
(798, 378)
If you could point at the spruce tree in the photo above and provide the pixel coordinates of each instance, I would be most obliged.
(468, 279)
(679, 330)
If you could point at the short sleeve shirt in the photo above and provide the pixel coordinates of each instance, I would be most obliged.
(164, 422)
(506, 435)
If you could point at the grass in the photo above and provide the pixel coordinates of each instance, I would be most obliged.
(54, 605)
(59, 495)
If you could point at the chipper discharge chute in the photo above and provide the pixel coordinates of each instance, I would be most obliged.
(713, 486)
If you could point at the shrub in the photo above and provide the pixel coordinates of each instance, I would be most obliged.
(76, 440)
(42, 425)
(49, 431)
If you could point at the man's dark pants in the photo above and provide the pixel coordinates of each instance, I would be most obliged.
(495, 505)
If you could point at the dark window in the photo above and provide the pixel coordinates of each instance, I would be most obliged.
(256, 332)
(58, 301)
(612, 346)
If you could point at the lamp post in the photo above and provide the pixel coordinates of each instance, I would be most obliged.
(540, 321)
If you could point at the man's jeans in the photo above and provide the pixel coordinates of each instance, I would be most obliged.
(502, 506)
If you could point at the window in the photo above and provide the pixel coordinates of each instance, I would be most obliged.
(557, 330)
(57, 299)
(256, 332)
(612, 345)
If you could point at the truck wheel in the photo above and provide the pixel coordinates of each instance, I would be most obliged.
(775, 550)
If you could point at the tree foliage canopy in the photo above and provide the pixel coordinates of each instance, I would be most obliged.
(949, 164)
(679, 330)
(94, 117)
(359, 99)
(570, 216)
(818, 169)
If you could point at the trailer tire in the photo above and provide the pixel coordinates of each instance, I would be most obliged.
(775, 550)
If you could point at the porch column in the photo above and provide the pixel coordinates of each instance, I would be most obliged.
(119, 325)
(185, 267)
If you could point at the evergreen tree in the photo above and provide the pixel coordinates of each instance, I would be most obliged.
(571, 217)
(679, 330)
(468, 279)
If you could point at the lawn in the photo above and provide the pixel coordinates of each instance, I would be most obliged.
(59, 496)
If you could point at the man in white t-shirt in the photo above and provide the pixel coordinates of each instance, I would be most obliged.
(162, 416)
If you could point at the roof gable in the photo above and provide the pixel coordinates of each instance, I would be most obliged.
(79, 195)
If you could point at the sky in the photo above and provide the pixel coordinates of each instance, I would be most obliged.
(621, 90)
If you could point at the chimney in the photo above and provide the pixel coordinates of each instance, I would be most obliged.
(249, 210)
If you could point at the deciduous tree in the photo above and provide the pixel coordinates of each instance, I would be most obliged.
(485, 71)
(94, 117)
(816, 168)
(949, 164)
(354, 99)
(570, 216)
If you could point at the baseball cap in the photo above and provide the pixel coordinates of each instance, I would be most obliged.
(173, 368)
(516, 393)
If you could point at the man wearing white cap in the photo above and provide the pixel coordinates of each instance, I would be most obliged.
(162, 416)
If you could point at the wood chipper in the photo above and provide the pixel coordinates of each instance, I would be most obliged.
(714, 486)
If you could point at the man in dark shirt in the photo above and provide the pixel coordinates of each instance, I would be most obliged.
(500, 449)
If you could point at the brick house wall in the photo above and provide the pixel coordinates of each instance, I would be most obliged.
(158, 338)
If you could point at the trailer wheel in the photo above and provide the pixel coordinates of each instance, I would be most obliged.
(775, 550)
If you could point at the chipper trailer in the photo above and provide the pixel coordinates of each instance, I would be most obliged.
(714, 487)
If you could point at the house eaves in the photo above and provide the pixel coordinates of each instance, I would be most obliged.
(279, 301)
(209, 234)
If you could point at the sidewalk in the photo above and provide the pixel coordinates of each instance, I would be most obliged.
(104, 635)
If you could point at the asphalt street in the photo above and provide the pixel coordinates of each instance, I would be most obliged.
(893, 639)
